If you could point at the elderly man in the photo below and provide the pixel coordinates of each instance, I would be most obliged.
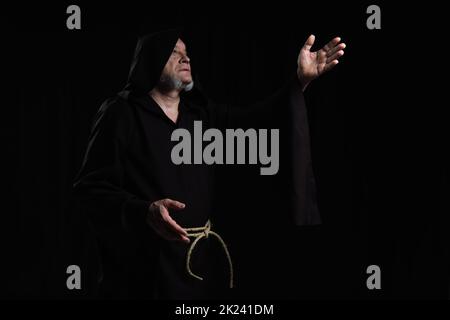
(151, 216)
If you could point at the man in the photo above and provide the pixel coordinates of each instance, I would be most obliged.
(151, 217)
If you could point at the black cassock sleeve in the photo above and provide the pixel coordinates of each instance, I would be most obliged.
(286, 109)
(99, 184)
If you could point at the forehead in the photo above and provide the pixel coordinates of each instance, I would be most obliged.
(180, 45)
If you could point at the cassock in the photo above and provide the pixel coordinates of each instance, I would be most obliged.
(128, 165)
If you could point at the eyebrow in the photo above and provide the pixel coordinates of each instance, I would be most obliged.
(177, 50)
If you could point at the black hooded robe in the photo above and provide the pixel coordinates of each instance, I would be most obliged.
(127, 166)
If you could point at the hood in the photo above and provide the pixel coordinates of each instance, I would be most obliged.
(150, 57)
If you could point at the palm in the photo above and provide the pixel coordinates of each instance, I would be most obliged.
(312, 64)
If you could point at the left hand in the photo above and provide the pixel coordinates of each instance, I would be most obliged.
(312, 64)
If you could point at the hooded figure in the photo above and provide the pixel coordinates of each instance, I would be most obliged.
(128, 166)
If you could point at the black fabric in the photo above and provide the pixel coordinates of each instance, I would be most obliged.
(128, 166)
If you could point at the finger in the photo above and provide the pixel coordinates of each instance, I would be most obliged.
(173, 204)
(174, 236)
(164, 233)
(171, 223)
(176, 227)
(340, 46)
(332, 44)
(309, 42)
(330, 65)
(335, 56)
(160, 227)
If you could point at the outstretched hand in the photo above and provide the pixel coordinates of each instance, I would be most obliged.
(313, 64)
(159, 219)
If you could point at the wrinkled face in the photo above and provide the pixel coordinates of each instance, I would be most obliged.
(177, 67)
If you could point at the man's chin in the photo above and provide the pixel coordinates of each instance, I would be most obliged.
(188, 86)
(186, 79)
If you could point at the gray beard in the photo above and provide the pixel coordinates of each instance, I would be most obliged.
(168, 84)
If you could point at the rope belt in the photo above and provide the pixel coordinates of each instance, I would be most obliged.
(200, 233)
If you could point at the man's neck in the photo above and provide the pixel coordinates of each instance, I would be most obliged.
(167, 100)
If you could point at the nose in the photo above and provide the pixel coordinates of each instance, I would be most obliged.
(185, 59)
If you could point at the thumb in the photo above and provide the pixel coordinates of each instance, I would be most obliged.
(309, 42)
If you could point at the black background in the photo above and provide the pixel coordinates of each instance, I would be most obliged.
(378, 143)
